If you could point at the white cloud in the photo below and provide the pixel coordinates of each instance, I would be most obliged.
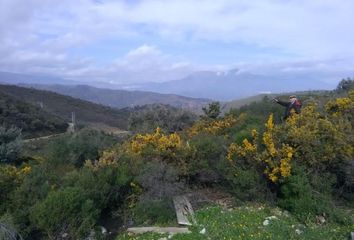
(148, 63)
(39, 35)
(305, 28)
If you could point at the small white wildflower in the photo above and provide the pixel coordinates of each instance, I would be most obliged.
(266, 222)
(203, 231)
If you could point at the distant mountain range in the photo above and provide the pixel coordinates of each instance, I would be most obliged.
(122, 98)
(109, 97)
(221, 86)
(226, 86)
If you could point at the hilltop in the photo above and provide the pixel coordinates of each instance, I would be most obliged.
(62, 106)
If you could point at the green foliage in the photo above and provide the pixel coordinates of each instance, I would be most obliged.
(8, 182)
(62, 106)
(106, 186)
(170, 119)
(33, 120)
(81, 178)
(159, 212)
(345, 85)
(159, 181)
(65, 211)
(33, 188)
(212, 111)
(307, 198)
(86, 144)
(248, 184)
(246, 222)
(298, 196)
(206, 164)
(10, 144)
(258, 111)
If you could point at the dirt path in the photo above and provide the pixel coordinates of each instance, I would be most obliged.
(44, 137)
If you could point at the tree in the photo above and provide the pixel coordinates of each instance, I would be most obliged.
(10, 144)
(213, 110)
(345, 85)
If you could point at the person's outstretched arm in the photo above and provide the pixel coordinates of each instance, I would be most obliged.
(285, 104)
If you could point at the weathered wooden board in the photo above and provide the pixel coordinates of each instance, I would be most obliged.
(184, 210)
(161, 230)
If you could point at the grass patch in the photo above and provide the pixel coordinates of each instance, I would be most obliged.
(247, 223)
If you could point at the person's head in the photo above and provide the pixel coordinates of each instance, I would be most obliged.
(292, 98)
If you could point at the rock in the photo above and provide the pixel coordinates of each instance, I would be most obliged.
(271, 218)
(104, 230)
(203, 231)
(301, 226)
(65, 235)
(298, 231)
(92, 235)
(277, 212)
(320, 220)
(286, 213)
(352, 236)
(266, 222)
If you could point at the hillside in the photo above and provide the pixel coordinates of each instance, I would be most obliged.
(62, 106)
(31, 119)
(273, 179)
(122, 98)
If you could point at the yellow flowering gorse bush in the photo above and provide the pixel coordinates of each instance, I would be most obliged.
(157, 140)
(341, 106)
(214, 127)
(275, 158)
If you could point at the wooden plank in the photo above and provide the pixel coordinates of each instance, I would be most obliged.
(184, 210)
(161, 230)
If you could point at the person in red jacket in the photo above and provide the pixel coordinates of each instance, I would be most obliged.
(293, 103)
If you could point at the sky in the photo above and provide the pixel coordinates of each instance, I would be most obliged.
(134, 41)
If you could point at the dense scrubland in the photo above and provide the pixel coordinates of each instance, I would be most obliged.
(300, 171)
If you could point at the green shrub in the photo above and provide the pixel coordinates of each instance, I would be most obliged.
(75, 149)
(170, 119)
(33, 188)
(205, 165)
(154, 212)
(299, 195)
(65, 211)
(10, 144)
(106, 186)
(248, 184)
(159, 181)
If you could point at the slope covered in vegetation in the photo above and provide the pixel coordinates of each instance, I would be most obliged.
(30, 118)
(302, 165)
(62, 106)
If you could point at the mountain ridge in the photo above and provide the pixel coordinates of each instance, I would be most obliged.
(118, 98)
